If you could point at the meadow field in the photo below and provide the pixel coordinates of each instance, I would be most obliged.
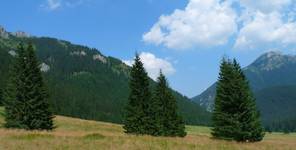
(75, 134)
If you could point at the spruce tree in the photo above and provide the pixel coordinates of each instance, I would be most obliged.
(235, 116)
(39, 114)
(12, 93)
(26, 102)
(137, 119)
(166, 120)
(222, 127)
(248, 116)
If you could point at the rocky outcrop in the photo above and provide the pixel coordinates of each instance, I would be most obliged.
(100, 58)
(78, 53)
(3, 33)
(21, 34)
(44, 67)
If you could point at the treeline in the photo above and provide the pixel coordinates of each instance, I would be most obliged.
(286, 126)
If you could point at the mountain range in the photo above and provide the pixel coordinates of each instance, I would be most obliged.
(82, 82)
(272, 78)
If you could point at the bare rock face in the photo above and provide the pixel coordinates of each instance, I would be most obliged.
(272, 60)
(44, 67)
(100, 58)
(21, 34)
(12, 53)
(3, 33)
(78, 53)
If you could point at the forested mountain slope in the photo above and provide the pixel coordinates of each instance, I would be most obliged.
(83, 82)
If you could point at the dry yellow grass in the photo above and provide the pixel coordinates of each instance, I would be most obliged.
(75, 134)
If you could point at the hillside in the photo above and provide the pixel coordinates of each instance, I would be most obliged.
(83, 82)
(281, 102)
(273, 81)
(74, 134)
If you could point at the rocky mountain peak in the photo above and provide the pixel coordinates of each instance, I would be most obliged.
(272, 60)
(3, 32)
(21, 34)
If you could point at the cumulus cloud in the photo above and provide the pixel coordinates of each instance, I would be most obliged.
(152, 64)
(202, 23)
(266, 31)
(255, 24)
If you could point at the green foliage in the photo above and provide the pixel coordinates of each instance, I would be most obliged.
(235, 115)
(137, 117)
(12, 91)
(26, 101)
(166, 120)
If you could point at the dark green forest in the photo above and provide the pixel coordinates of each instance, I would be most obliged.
(280, 108)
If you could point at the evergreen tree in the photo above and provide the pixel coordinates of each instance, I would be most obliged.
(137, 119)
(12, 94)
(1, 97)
(235, 115)
(166, 120)
(26, 101)
(250, 128)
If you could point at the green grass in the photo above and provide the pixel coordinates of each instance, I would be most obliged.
(74, 134)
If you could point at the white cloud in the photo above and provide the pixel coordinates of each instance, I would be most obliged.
(152, 64)
(266, 31)
(203, 23)
(52, 4)
(256, 24)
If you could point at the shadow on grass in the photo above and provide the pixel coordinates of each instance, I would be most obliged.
(94, 136)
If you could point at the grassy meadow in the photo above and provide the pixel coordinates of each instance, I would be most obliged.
(74, 134)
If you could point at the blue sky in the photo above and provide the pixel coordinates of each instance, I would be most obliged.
(185, 38)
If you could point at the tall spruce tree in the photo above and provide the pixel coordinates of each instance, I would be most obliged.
(137, 119)
(166, 120)
(250, 128)
(235, 116)
(26, 102)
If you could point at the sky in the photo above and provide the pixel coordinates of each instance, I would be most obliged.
(184, 38)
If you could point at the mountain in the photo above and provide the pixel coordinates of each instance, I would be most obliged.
(273, 82)
(82, 81)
